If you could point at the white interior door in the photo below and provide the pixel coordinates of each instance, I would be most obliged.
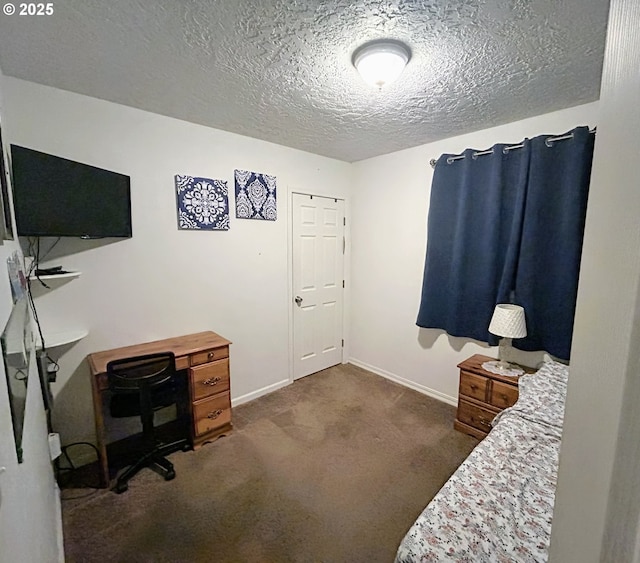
(318, 283)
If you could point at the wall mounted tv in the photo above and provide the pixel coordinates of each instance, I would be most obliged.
(56, 197)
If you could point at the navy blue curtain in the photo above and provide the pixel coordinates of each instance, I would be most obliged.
(507, 227)
(546, 282)
(474, 220)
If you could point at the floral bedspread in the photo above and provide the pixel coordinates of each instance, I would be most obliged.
(498, 505)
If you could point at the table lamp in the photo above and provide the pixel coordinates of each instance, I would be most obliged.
(507, 322)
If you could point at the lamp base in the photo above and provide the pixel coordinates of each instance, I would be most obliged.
(500, 367)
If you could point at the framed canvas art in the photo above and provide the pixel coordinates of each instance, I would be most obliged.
(203, 204)
(255, 196)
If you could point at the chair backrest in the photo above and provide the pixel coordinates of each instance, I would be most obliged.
(138, 372)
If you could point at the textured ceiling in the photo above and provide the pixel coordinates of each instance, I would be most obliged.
(280, 70)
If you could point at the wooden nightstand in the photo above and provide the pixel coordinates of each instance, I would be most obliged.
(482, 395)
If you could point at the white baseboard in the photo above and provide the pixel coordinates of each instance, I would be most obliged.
(407, 383)
(259, 393)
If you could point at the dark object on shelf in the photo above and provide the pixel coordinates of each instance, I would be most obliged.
(140, 386)
(50, 271)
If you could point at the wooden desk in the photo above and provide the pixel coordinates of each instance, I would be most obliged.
(205, 357)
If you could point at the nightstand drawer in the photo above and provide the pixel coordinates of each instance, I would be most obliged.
(503, 395)
(474, 386)
(475, 416)
(209, 379)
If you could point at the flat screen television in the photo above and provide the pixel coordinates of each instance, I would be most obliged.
(56, 197)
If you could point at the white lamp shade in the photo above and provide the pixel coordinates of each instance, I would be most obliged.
(508, 321)
(381, 63)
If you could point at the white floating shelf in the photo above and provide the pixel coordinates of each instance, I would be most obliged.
(46, 283)
(50, 277)
(56, 339)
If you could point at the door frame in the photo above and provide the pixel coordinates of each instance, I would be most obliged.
(346, 258)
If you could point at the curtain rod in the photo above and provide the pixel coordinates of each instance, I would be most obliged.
(549, 142)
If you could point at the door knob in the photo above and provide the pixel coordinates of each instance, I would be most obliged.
(298, 300)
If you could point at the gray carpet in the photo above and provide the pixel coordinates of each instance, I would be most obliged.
(335, 467)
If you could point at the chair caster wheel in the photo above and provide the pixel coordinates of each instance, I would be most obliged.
(120, 488)
(170, 475)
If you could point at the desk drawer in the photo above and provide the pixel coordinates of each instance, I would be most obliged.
(475, 416)
(209, 379)
(209, 355)
(211, 413)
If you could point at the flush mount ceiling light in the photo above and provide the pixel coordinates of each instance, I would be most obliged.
(381, 62)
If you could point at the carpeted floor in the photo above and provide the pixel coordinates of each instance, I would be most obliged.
(333, 468)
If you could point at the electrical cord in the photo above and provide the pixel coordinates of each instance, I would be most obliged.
(65, 452)
(72, 467)
(33, 249)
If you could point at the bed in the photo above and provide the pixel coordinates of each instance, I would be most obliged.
(498, 505)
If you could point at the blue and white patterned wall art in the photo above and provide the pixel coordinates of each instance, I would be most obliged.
(255, 196)
(203, 203)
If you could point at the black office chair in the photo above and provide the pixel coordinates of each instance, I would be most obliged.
(140, 386)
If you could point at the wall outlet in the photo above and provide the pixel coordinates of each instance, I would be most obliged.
(54, 445)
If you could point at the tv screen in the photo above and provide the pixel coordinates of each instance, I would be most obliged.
(56, 197)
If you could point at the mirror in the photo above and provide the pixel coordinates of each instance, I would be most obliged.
(6, 226)
(17, 346)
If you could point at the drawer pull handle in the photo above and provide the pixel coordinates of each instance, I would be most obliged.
(473, 386)
(211, 381)
(214, 414)
(210, 355)
(504, 397)
(484, 422)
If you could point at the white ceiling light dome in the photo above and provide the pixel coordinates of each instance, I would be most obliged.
(382, 61)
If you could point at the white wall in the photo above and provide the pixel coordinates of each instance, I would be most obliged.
(597, 513)
(29, 497)
(164, 282)
(389, 203)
